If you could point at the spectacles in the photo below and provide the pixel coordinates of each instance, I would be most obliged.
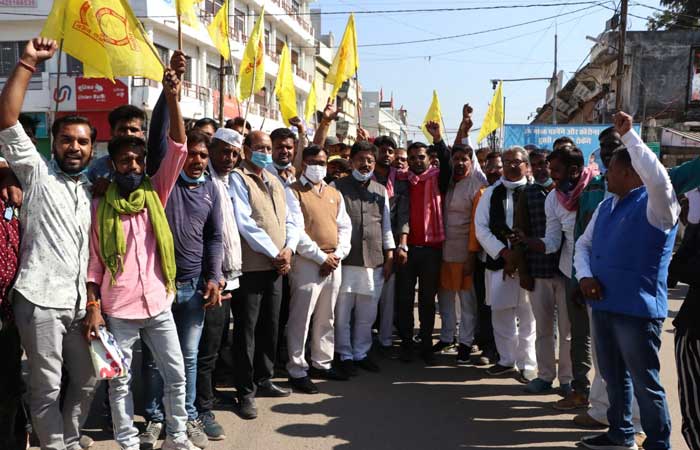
(513, 162)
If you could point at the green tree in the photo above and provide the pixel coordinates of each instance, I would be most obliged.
(679, 15)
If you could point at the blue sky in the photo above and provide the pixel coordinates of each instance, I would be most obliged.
(463, 74)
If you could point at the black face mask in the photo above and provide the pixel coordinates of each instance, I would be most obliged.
(128, 183)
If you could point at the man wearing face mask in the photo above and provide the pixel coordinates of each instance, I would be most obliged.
(194, 216)
(369, 263)
(397, 190)
(132, 271)
(455, 277)
(265, 216)
(316, 274)
(426, 235)
(50, 311)
(511, 313)
(539, 274)
(476, 258)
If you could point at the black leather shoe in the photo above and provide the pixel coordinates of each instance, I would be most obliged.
(348, 367)
(303, 384)
(270, 389)
(367, 364)
(429, 357)
(247, 409)
(328, 374)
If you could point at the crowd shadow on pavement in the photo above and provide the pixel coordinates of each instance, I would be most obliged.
(408, 406)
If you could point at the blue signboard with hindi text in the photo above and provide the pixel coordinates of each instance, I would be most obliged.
(584, 136)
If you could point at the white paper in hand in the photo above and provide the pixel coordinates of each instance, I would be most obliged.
(107, 358)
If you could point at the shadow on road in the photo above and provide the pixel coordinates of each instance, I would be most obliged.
(407, 407)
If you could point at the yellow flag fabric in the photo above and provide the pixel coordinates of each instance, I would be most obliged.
(284, 87)
(185, 9)
(253, 63)
(74, 21)
(105, 36)
(346, 61)
(219, 31)
(310, 107)
(434, 114)
(494, 116)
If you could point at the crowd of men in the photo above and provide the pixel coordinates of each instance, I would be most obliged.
(311, 247)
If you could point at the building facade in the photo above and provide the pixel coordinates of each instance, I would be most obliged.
(58, 87)
(380, 118)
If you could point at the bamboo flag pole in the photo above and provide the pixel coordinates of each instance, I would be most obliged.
(252, 88)
(58, 81)
(267, 106)
(357, 103)
(179, 31)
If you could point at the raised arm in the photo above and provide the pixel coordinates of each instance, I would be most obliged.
(330, 113)
(37, 51)
(663, 208)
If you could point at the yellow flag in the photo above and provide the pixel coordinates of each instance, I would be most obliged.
(105, 36)
(218, 30)
(346, 61)
(74, 22)
(185, 9)
(494, 115)
(434, 114)
(284, 87)
(310, 108)
(251, 75)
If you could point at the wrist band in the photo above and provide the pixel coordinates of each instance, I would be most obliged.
(29, 67)
(92, 303)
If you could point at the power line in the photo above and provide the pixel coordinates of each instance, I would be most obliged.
(363, 12)
(663, 10)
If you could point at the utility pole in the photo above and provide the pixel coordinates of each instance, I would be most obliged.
(621, 55)
(555, 81)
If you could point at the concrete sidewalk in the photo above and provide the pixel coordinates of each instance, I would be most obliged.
(409, 406)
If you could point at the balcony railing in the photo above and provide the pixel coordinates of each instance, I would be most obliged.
(286, 5)
(189, 89)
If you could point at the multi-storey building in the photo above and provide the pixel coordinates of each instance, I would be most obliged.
(380, 118)
(58, 87)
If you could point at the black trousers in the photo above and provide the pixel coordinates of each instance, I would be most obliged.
(687, 357)
(483, 337)
(12, 415)
(282, 355)
(215, 324)
(423, 266)
(255, 327)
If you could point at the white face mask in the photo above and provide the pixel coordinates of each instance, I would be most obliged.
(315, 174)
(361, 177)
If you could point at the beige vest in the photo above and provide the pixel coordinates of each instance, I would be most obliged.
(269, 211)
(320, 214)
(458, 217)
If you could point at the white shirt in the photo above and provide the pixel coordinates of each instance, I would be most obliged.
(306, 246)
(560, 221)
(55, 221)
(693, 206)
(255, 236)
(663, 208)
(489, 242)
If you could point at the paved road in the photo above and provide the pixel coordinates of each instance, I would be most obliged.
(409, 406)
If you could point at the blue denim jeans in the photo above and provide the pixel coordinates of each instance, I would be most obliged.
(157, 333)
(188, 312)
(628, 355)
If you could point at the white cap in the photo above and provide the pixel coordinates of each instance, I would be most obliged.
(231, 137)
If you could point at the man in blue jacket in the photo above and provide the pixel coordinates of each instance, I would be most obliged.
(626, 287)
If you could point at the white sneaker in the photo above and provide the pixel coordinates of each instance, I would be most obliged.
(181, 443)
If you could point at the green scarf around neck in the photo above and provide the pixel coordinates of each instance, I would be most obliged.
(111, 231)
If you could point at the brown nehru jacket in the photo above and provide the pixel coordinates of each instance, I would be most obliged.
(320, 214)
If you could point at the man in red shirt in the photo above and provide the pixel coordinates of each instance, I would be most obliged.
(428, 185)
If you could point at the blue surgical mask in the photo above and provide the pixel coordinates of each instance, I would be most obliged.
(128, 183)
(546, 184)
(261, 159)
(191, 180)
(361, 177)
